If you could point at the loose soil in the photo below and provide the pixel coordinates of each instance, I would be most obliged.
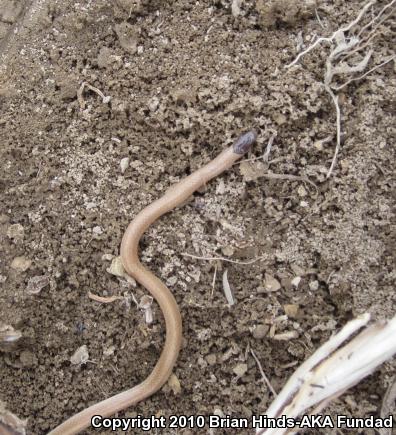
(185, 78)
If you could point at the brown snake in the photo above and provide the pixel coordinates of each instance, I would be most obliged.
(174, 196)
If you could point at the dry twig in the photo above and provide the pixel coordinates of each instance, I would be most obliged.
(334, 368)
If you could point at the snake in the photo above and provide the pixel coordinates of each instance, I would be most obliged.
(175, 196)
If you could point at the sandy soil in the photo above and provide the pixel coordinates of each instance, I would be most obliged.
(184, 79)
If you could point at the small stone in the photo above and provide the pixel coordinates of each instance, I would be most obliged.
(80, 356)
(124, 163)
(128, 36)
(218, 412)
(15, 231)
(97, 230)
(296, 281)
(104, 58)
(153, 104)
(297, 270)
(171, 280)
(174, 384)
(108, 351)
(4, 219)
(211, 359)
(116, 268)
(314, 285)
(271, 284)
(21, 264)
(236, 8)
(240, 369)
(220, 189)
(227, 250)
(260, 331)
(36, 284)
(291, 310)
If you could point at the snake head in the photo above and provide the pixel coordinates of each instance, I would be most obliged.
(244, 142)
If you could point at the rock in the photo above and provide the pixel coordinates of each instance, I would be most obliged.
(80, 356)
(240, 369)
(291, 310)
(116, 268)
(296, 281)
(174, 384)
(36, 284)
(227, 250)
(271, 284)
(260, 331)
(97, 230)
(211, 359)
(124, 163)
(21, 264)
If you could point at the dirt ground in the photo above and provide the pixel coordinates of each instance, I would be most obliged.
(180, 80)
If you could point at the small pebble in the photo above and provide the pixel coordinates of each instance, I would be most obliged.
(80, 356)
(291, 310)
(301, 191)
(296, 281)
(174, 384)
(4, 218)
(124, 163)
(36, 284)
(21, 264)
(260, 331)
(314, 285)
(227, 251)
(271, 284)
(240, 369)
(116, 268)
(211, 359)
(97, 230)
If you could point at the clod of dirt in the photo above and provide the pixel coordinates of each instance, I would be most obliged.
(128, 36)
(104, 58)
(28, 359)
(131, 6)
(287, 12)
(36, 284)
(9, 10)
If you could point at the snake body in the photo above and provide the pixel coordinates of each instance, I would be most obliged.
(173, 197)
